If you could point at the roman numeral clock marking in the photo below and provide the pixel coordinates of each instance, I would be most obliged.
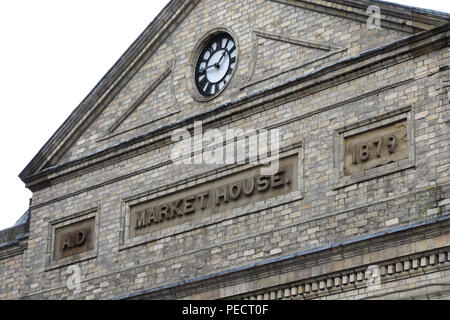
(215, 65)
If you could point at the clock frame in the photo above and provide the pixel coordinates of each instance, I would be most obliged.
(215, 65)
(205, 79)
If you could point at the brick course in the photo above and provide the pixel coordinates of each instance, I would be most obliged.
(310, 113)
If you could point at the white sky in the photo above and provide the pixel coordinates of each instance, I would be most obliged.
(52, 53)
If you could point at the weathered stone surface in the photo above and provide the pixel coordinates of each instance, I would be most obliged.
(74, 239)
(327, 82)
(375, 147)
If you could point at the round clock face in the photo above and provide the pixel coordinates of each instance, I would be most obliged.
(215, 65)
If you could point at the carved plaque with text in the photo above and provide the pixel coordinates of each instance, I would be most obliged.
(74, 239)
(375, 147)
(230, 192)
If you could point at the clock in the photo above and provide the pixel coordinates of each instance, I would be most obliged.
(215, 64)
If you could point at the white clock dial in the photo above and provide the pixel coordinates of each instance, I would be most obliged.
(215, 65)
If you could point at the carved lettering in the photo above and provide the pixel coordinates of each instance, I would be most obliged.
(74, 238)
(66, 243)
(249, 186)
(140, 219)
(235, 191)
(198, 202)
(376, 147)
(391, 143)
(189, 206)
(146, 217)
(164, 213)
(175, 207)
(151, 216)
(277, 180)
(364, 154)
(263, 183)
(221, 195)
(202, 198)
(81, 238)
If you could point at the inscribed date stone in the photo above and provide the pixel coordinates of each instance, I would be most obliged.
(375, 147)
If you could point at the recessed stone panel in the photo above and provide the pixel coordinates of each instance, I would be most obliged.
(230, 192)
(74, 239)
(375, 147)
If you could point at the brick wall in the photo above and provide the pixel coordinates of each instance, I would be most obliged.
(310, 115)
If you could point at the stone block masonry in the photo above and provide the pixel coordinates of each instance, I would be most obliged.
(363, 180)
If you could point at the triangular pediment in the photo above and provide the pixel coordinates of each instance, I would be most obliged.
(147, 88)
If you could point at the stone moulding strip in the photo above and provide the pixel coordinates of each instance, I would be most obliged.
(282, 95)
(444, 217)
(122, 71)
(277, 265)
(125, 243)
(118, 158)
(14, 247)
(361, 17)
(139, 100)
(138, 172)
(399, 11)
(409, 266)
(293, 40)
(50, 263)
(288, 39)
(193, 180)
(252, 83)
(139, 126)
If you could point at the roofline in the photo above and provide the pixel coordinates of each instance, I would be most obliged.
(105, 82)
(41, 176)
(413, 8)
(117, 70)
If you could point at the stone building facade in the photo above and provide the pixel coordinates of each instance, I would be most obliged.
(358, 207)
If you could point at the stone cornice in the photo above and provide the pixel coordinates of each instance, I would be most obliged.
(330, 75)
(14, 247)
(398, 10)
(116, 78)
(416, 248)
(392, 16)
(354, 278)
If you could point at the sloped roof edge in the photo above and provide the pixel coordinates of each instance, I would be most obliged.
(413, 8)
(129, 55)
(113, 73)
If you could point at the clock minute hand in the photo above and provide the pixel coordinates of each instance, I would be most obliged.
(224, 51)
(223, 55)
(217, 64)
(206, 68)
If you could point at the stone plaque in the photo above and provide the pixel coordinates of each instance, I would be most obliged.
(74, 238)
(226, 193)
(375, 147)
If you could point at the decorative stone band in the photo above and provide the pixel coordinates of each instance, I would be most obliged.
(348, 280)
(14, 247)
(418, 252)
